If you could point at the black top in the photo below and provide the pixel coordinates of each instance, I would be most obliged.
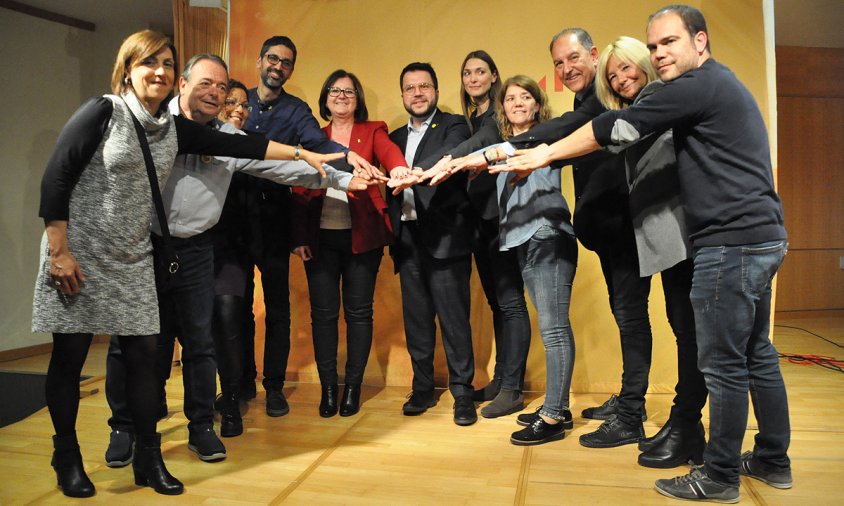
(83, 133)
(723, 157)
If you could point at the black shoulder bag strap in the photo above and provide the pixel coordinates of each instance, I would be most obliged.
(172, 262)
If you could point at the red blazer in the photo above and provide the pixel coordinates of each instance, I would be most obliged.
(370, 220)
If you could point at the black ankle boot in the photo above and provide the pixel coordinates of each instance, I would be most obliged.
(70, 474)
(328, 403)
(681, 446)
(350, 404)
(149, 466)
(231, 424)
(488, 392)
(657, 439)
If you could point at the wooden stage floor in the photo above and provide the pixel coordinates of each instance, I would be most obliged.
(382, 457)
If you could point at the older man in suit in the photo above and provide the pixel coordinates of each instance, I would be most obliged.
(432, 250)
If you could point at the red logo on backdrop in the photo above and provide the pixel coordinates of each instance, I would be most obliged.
(558, 85)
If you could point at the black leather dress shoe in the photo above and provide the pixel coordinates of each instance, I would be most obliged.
(526, 419)
(350, 404)
(613, 432)
(418, 403)
(537, 433)
(679, 447)
(464, 410)
(607, 410)
(328, 402)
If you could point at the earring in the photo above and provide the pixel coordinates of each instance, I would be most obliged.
(127, 80)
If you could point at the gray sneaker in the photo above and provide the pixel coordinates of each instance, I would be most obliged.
(697, 486)
(751, 467)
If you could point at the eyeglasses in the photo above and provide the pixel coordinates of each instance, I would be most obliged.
(410, 89)
(274, 59)
(334, 91)
(232, 103)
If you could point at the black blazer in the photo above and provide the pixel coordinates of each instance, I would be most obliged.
(443, 212)
(601, 209)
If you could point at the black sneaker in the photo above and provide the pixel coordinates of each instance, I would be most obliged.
(607, 409)
(206, 444)
(464, 411)
(418, 403)
(119, 452)
(751, 467)
(276, 403)
(697, 486)
(526, 419)
(612, 433)
(537, 433)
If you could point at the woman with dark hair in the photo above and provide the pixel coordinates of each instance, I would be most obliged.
(341, 237)
(498, 270)
(236, 107)
(96, 272)
(535, 223)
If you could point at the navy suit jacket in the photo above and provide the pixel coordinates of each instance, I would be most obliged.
(443, 212)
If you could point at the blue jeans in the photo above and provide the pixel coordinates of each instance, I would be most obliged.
(548, 261)
(731, 297)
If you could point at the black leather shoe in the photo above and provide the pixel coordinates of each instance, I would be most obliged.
(207, 446)
(464, 410)
(231, 424)
(248, 390)
(418, 403)
(70, 473)
(328, 402)
(613, 432)
(120, 448)
(678, 448)
(276, 403)
(350, 404)
(528, 418)
(488, 392)
(149, 468)
(607, 409)
(649, 442)
(537, 433)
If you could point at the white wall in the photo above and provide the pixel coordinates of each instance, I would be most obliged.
(48, 70)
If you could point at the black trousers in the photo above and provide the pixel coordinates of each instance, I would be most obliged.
(501, 279)
(334, 266)
(432, 289)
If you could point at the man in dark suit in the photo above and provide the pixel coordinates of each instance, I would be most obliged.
(432, 250)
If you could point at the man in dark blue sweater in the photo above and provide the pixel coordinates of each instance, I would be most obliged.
(735, 222)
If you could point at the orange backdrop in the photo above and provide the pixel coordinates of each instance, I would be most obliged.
(375, 39)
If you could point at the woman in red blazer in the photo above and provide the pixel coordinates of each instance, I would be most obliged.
(341, 236)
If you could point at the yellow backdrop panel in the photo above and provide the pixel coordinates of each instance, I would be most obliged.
(375, 39)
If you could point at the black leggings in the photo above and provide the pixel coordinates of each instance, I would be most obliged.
(228, 340)
(69, 353)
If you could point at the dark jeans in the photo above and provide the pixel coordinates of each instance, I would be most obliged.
(334, 264)
(186, 307)
(501, 279)
(115, 386)
(435, 288)
(690, 389)
(549, 263)
(731, 296)
(628, 295)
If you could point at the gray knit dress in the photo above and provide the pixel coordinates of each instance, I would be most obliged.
(108, 233)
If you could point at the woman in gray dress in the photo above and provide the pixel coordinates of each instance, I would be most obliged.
(96, 271)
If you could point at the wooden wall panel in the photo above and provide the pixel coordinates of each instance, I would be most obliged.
(810, 280)
(810, 108)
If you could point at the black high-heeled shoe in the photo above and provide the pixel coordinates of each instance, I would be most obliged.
(350, 404)
(70, 473)
(328, 403)
(149, 466)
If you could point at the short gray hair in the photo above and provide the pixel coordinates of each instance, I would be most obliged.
(583, 38)
(199, 57)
